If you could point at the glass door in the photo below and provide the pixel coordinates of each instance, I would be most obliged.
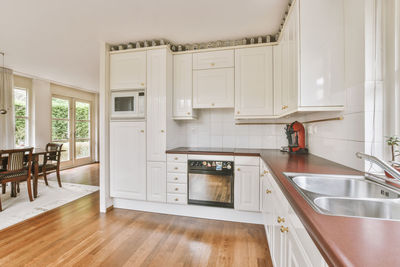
(82, 132)
(61, 126)
(71, 126)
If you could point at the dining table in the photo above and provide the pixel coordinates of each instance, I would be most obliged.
(36, 153)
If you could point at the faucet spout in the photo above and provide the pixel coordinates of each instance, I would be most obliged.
(389, 169)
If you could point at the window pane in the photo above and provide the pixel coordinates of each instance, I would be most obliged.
(20, 102)
(60, 108)
(82, 129)
(65, 154)
(82, 149)
(20, 132)
(60, 130)
(82, 111)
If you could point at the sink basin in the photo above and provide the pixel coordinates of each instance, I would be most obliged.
(354, 187)
(348, 195)
(372, 208)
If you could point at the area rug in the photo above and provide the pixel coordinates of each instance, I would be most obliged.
(18, 209)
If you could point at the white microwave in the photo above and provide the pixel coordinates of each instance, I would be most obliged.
(128, 104)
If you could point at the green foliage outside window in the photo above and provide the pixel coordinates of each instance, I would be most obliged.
(20, 127)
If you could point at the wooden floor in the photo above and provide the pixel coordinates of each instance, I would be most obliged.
(87, 174)
(78, 235)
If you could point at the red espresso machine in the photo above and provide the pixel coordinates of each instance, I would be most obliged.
(296, 137)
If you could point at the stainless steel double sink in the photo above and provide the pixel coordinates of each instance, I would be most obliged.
(346, 195)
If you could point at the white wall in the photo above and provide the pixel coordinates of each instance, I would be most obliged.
(41, 117)
(216, 128)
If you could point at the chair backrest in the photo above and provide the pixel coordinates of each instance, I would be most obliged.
(16, 159)
(54, 152)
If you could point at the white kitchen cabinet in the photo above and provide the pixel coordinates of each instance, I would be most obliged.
(213, 88)
(322, 57)
(288, 240)
(128, 160)
(247, 187)
(128, 70)
(156, 181)
(213, 60)
(156, 104)
(183, 87)
(254, 82)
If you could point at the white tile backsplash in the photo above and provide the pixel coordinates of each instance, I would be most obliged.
(216, 128)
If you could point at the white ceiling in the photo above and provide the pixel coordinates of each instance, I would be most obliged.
(59, 40)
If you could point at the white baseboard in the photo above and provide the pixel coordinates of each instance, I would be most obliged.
(190, 211)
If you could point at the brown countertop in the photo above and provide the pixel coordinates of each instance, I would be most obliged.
(343, 241)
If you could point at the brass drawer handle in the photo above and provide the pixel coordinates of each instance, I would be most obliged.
(284, 229)
(280, 220)
(268, 191)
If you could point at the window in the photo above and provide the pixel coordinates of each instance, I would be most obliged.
(82, 130)
(21, 113)
(60, 125)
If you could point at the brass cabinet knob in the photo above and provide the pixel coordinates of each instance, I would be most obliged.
(176, 168)
(176, 189)
(162, 131)
(280, 220)
(265, 172)
(284, 107)
(176, 178)
(176, 199)
(176, 158)
(238, 112)
(142, 131)
(268, 191)
(238, 169)
(213, 64)
(188, 113)
(284, 229)
(212, 104)
(142, 84)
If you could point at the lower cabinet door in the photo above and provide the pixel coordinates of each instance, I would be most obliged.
(156, 181)
(128, 160)
(247, 188)
(295, 255)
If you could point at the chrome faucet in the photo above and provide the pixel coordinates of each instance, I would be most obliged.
(386, 167)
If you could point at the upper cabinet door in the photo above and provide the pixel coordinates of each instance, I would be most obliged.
(128, 160)
(128, 70)
(278, 77)
(322, 52)
(254, 82)
(213, 88)
(156, 104)
(183, 87)
(212, 60)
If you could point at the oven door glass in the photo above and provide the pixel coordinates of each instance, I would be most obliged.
(124, 104)
(211, 189)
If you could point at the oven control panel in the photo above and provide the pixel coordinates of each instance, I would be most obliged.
(207, 165)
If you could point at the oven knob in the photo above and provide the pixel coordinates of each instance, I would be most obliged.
(204, 163)
(229, 166)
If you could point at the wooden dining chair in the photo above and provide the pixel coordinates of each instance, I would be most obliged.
(51, 162)
(18, 169)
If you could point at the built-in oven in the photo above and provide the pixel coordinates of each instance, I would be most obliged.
(211, 183)
(128, 104)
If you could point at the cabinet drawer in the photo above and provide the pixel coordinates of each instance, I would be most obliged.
(212, 60)
(177, 167)
(177, 198)
(177, 178)
(177, 188)
(176, 158)
(247, 161)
